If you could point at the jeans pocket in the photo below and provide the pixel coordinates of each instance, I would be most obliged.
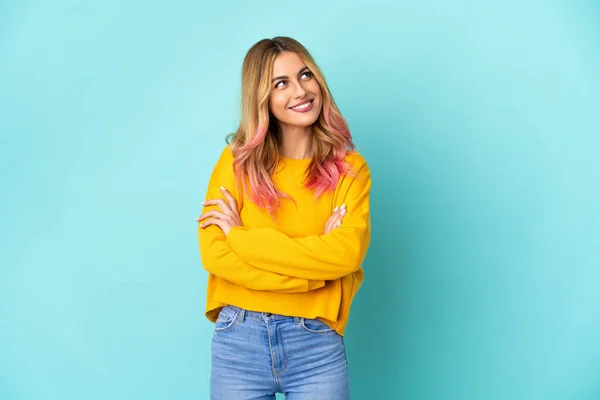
(315, 325)
(226, 320)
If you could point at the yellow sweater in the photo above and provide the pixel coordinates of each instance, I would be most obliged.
(288, 266)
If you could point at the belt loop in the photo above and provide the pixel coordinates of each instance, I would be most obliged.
(242, 314)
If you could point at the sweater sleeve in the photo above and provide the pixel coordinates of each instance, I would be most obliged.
(217, 256)
(329, 256)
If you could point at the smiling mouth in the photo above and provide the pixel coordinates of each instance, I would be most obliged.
(304, 106)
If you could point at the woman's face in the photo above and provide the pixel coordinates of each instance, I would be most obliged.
(295, 98)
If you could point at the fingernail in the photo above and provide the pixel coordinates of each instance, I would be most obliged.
(204, 202)
(335, 209)
(339, 223)
(343, 211)
(343, 206)
(222, 188)
(198, 219)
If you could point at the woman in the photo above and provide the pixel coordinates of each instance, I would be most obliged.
(283, 234)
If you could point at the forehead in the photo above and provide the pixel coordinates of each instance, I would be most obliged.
(287, 63)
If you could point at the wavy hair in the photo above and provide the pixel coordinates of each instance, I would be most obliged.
(255, 144)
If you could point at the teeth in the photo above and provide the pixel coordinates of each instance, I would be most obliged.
(302, 107)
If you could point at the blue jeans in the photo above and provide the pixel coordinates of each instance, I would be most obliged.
(255, 355)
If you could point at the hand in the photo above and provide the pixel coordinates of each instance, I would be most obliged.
(336, 218)
(225, 219)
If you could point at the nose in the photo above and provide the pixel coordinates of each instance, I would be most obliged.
(300, 91)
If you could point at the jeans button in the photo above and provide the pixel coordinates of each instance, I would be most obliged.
(267, 314)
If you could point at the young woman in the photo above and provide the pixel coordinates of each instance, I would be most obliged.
(283, 234)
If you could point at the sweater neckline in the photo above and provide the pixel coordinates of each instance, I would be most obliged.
(295, 161)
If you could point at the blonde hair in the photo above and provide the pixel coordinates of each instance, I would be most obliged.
(255, 144)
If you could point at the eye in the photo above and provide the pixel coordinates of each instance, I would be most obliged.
(278, 83)
(307, 73)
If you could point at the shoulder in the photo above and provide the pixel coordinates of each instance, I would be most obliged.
(359, 164)
(358, 179)
(355, 159)
(227, 155)
(223, 168)
(226, 158)
(355, 185)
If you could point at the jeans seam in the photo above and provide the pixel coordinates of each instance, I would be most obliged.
(285, 360)
(273, 369)
(233, 322)
(312, 330)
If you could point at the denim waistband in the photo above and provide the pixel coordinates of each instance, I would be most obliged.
(260, 315)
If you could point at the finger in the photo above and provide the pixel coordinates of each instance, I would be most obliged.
(332, 220)
(213, 221)
(338, 213)
(339, 210)
(328, 225)
(213, 213)
(331, 226)
(342, 211)
(338, 217)
(230, 199)
(219, 202)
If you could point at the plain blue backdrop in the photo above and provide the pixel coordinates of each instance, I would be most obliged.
(480, 121)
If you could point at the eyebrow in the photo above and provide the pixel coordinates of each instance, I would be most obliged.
(286, 77)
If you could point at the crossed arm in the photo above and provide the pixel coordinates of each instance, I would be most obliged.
(329, 256)
(233, 252)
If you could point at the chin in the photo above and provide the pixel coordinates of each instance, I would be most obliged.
(304, 122)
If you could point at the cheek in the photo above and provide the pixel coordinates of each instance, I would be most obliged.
(316, 90)
(277, 104)
(314, 87)
(319, 95)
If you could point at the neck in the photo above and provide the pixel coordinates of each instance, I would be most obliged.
(296, 142)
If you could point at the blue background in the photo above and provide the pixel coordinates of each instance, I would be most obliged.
(480, 121)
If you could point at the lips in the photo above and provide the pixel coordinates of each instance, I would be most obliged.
(305, 106)
(302, 103)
